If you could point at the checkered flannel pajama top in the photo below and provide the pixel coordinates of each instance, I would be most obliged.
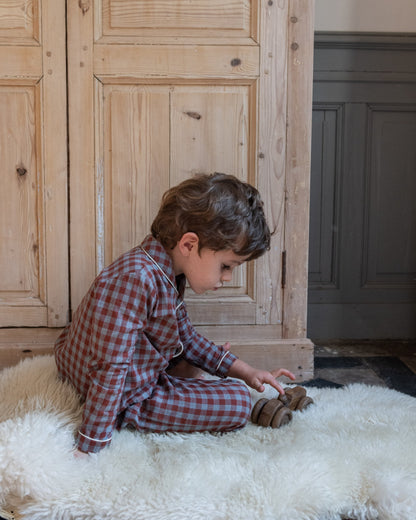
(128, 327)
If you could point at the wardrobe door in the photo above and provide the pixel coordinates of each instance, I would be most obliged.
(33, 169)
(160, 91)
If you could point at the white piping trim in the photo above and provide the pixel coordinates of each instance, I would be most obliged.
(221, 360)
(181, 350)
(160, 269)
(94, 440)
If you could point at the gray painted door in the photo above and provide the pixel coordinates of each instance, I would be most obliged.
(362, 257)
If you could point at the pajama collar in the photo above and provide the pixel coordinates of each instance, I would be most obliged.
(157, 254)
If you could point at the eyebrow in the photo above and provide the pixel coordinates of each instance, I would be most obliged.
(237, 262)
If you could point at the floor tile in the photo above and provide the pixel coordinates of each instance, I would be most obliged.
(345, 376)
(368, 363)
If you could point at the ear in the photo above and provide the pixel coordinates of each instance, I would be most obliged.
(188, 242)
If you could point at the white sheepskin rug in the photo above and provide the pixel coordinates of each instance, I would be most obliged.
(350, 455)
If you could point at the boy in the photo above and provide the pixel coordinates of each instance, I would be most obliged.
(132, 327)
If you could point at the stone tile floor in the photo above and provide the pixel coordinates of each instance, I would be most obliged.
(390, 363)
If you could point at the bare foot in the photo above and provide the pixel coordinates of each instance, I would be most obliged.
(78, 454)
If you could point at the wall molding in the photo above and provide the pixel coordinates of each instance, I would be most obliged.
(365, 57)
(355, 40)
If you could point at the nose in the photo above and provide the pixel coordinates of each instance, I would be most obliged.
(226, 277)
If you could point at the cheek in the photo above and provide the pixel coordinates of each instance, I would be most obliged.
(207, 277)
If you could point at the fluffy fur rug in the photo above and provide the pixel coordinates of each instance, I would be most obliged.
(351, 454)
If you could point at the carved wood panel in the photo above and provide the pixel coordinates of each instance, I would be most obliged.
(163, 19)
(33, 173)
(168, 104)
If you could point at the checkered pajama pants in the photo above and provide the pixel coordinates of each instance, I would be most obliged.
(190, 405)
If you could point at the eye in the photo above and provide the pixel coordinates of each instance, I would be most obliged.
(225, 267)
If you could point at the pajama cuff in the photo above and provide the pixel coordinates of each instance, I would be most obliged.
(224, 364)
(90, 445)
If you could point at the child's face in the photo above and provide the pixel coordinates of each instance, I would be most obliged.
(207, 269)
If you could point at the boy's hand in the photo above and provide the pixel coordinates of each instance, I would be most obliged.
(260, 377)
(256, 378)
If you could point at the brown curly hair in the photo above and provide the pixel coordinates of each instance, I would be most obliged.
(223, 211)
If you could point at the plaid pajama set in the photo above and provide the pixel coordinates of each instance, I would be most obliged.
(127, 330)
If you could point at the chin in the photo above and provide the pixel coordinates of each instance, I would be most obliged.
(202, 291)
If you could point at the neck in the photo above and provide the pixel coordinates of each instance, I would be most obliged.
(177, 260)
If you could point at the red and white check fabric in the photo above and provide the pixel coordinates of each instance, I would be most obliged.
(115, 352)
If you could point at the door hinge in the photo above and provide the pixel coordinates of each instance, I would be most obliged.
(283, 269)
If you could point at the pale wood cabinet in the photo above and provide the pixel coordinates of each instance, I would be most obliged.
(161, 90)
(33, 164)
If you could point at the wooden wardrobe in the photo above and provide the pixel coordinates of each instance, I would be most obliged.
(104, 104)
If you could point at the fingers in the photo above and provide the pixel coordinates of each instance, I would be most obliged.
(270, 378)
(257, 379)
(258, 386)
(283, 372)
(266, 377)
(276, 386)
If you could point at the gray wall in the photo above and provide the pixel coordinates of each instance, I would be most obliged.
(362, 264)
(397, 16)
